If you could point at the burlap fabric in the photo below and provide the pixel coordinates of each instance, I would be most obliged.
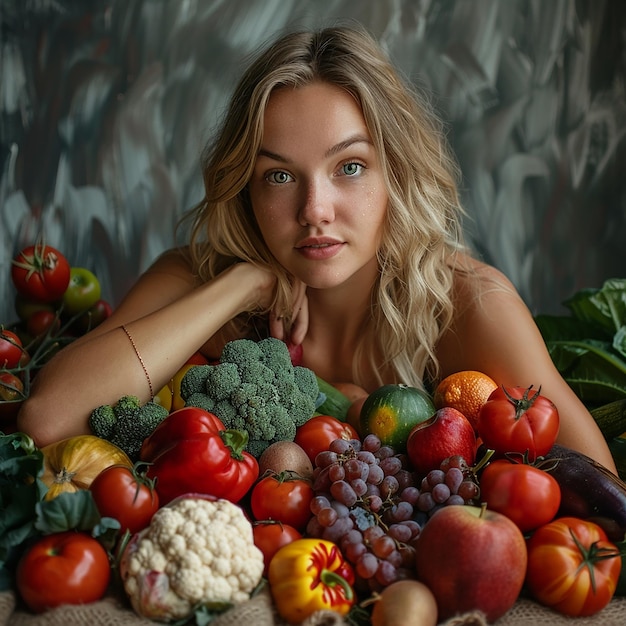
(260, 612)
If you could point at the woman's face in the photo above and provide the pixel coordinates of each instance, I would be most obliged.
(317, 190)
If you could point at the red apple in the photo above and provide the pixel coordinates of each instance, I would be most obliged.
(472, 559)
(447, 433)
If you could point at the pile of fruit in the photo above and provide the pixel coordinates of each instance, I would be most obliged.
(475, 506)
(55, 303)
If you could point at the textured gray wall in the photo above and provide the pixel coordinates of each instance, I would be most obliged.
(105, 106)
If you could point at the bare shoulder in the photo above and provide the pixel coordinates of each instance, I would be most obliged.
(476, 282)
(173, 262)
(492, 326)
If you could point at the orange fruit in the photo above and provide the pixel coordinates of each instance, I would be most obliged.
(466, 391)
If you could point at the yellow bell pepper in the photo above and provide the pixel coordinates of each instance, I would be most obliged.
(309, 575)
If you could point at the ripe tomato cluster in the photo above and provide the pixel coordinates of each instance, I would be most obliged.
(54, 303)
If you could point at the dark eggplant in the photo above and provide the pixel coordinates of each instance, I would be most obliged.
(589, 490)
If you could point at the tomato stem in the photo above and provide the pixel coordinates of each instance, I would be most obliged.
(521, 404)
(591, 556)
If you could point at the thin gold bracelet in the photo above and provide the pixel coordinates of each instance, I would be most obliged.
(143, 365)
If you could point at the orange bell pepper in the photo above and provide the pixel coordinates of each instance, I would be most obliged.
(309, 575)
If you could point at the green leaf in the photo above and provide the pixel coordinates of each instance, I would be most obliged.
(68, 511)
(604, 307)
(595, 373)
(619, 341)
(107, 532)
(21, 489)
(567, 328)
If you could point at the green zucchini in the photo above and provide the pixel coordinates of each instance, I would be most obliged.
(611, 418)
(336, 402)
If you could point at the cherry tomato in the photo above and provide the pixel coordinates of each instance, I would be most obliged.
(525, 494)
(83, 291)
(63, 568)
(25, 307)
(40, 273)
(316, 434)
(269, 536)
(125, 494)
(282, 498)
(520, 420)
(41, 322)
(11, 387)
(572, 567)
(11, 350)
(93, 317)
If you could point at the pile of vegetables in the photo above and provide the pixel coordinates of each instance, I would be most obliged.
(55, 302)
(193, 528)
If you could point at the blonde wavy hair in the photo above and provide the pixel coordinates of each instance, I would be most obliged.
(411, 304)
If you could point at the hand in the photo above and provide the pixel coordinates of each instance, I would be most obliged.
(300, 317)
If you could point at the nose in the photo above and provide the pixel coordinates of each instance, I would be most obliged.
(317, 204)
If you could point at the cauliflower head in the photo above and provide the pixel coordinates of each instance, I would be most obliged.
(195, 552)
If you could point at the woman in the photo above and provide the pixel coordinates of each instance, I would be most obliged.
(331, 219)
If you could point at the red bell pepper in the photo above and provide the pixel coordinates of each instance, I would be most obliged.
(191, 451)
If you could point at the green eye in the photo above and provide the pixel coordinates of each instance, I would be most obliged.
(350, 169)
(279, 178)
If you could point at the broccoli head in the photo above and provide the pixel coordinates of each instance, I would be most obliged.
(127, 423)
(255, 388)
(194, 380)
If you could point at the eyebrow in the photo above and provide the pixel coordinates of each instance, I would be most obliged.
(339, 147)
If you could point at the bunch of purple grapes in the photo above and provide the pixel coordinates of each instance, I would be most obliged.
(452, 483)
(367, 501)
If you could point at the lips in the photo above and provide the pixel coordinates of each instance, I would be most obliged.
(319, 248)
(318, 242)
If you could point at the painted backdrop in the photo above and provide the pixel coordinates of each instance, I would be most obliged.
(105, 106)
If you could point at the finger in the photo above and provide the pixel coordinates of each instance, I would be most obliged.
(277, 326)
(299, 296)
(300, 324)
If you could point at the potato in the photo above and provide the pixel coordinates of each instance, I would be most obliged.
(405, 603)
(285, 456)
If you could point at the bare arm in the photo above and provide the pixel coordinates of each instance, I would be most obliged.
(498, 336)
(168, 318)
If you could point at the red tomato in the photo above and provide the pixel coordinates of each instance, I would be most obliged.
(572, 567)
(282, 498)
(515, 419)
(93, 317)
(269, 536)
(42, 321)
(316, 434)
(125, 494)
(40, 273)
(11, 387)
(525, 494)
(11, 350)
(25, 308)
(63, 568)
